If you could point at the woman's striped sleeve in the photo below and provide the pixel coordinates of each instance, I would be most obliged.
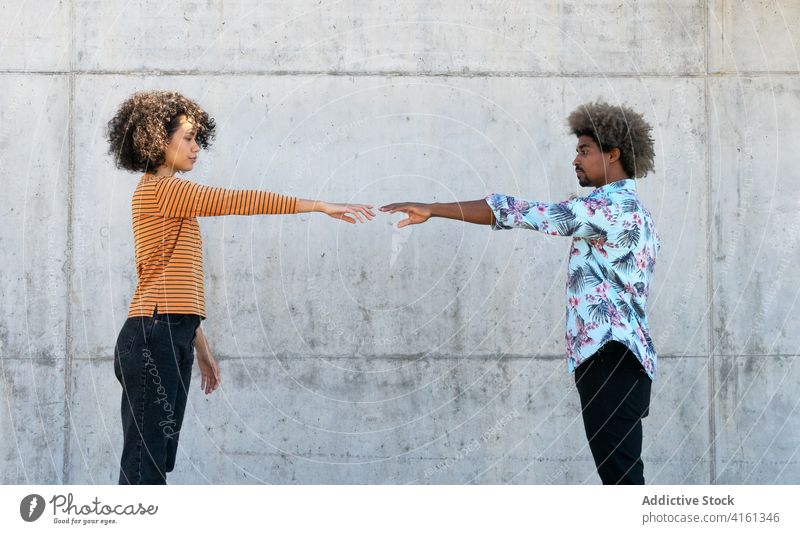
(177, 197)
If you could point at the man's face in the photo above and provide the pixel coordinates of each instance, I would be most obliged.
(590, 163)
(182, 150)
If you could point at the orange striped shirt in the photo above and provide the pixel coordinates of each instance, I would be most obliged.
(169, 253)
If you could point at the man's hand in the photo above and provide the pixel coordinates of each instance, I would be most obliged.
(209, 369)
(417, 213)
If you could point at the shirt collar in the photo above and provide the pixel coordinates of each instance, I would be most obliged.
(628, 184)
(149, 177)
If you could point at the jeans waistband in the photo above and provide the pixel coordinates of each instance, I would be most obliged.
(167, 316)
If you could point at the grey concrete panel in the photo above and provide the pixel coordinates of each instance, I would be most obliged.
(96, 434)
(757, 437)
(35, 35)
(755, 214)
(359, 36)
(676, 448)
(34, 171)
(32, 420)
(753, 37)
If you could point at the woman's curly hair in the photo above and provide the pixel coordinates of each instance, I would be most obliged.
(140, 131)
(617, 127)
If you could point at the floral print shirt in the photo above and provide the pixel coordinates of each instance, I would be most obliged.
(611, 262)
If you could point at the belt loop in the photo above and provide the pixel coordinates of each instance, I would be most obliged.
(155, 311)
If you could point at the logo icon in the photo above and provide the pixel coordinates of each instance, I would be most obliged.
(31, 507)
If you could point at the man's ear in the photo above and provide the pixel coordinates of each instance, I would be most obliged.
(613, 155)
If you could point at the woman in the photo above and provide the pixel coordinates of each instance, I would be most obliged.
(160, 133)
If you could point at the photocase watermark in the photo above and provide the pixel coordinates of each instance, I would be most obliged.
(559, 473)
(473, 445)
(169, 423)
(32, 507)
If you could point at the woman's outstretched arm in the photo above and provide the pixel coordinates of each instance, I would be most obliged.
(177, 197)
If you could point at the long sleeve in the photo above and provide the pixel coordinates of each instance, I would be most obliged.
(177, 197)
(579, 217)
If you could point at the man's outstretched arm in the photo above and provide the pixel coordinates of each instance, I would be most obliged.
(472, 211)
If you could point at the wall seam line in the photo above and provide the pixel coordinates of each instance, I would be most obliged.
(712, 473)
(70, 252)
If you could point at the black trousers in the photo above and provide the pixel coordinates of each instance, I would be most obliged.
(153, 360)
(615, 396)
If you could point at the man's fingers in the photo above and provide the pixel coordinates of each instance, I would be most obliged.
(347, 219)
(404, 222)
(394, 207)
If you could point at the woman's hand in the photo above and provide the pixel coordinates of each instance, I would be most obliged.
(341, 211)
(209, 368)
(345, 212)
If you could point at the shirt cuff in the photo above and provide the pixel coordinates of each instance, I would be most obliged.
(499, 204)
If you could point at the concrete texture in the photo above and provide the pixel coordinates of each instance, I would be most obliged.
(432, 354)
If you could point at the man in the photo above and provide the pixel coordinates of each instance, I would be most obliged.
(613, 254)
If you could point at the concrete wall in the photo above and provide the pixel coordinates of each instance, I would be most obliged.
(433, 354)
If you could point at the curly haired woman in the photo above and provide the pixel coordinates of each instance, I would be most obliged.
(611, 262)
(159, 134)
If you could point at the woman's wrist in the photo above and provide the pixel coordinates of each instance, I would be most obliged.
(307, 206)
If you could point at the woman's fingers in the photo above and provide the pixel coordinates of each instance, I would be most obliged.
(361, 209)
(352, 212)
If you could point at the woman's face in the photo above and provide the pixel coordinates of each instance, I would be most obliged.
(181, 153)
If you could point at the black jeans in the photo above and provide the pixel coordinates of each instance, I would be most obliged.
(153, 360)
(615, 397)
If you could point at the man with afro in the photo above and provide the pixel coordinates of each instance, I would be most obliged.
(611, 263)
